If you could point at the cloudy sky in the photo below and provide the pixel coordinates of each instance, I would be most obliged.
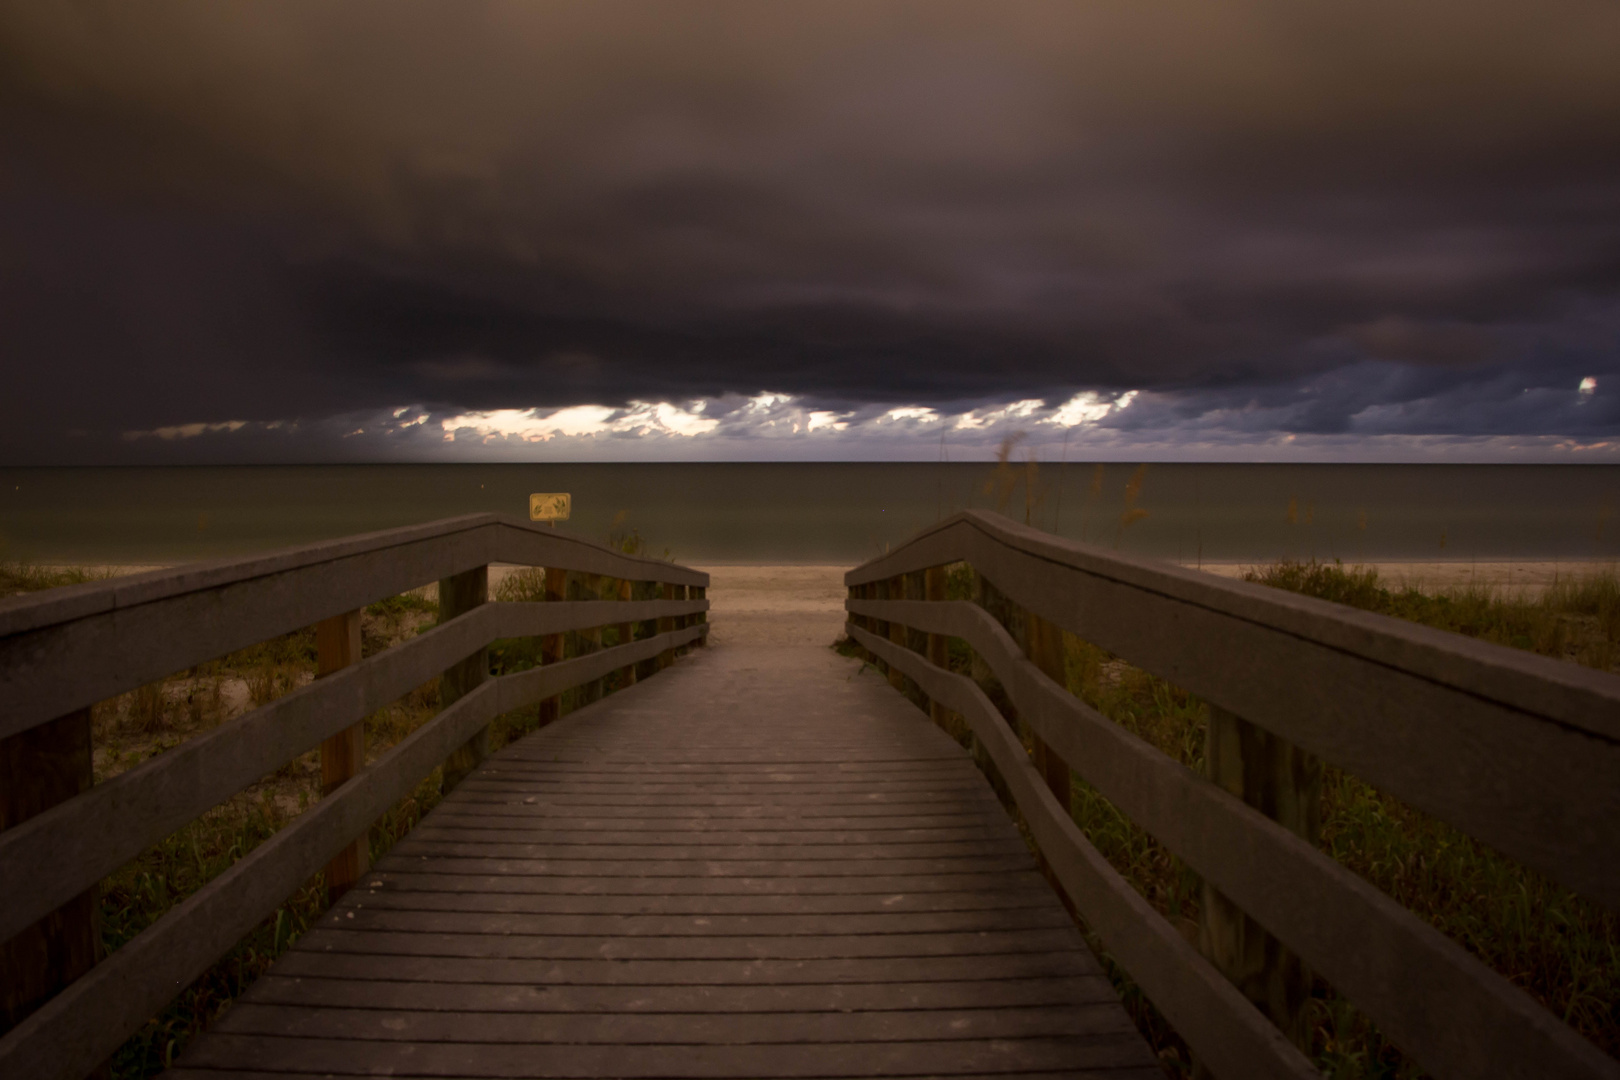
(345, 231)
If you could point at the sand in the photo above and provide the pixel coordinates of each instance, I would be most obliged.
(792, 605)
(776, 605)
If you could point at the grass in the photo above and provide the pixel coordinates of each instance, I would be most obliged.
(18, 577)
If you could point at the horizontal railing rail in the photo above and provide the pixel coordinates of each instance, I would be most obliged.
(57, 854)
(1429, 995)
(63, 652)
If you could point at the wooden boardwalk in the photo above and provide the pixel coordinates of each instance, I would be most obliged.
(760, 863)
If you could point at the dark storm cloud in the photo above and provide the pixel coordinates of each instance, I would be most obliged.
(1323, 219)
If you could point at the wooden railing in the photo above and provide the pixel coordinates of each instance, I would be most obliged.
(64, 650)
(1520, 751)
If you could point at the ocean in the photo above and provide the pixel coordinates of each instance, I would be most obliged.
(836, 513)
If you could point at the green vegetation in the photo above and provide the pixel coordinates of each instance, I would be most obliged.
(18, 577)
(1576, 619)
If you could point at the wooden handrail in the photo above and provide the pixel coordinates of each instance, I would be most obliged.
(1227, 1032)
(1518, 750)
(163, 622)
(79, 842)
(63, 652)
(1437, 1001)
(1394, 966)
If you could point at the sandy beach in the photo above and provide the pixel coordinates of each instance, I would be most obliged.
(794, 604)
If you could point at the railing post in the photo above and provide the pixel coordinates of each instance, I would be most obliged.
(40, 768)
(938, 644)
(1042, 642)
(627, 675)
(895, 589)
(588, 587)
(337, 645)
(551, 645)
(682, 621)
(699, 592)
(457, 596)
(666, 624)
(1284, 783)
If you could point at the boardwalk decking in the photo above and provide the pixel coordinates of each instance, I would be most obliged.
(760, 863)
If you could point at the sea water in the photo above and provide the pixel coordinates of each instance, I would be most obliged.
(836, 513)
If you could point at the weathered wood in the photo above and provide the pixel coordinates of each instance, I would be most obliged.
(1426, 992)
(41, 768)
(64, 850)
(934, 586)
(87, 1021)
(1117, 1053)
(84, 1023)
(690, 975)
(587, 587)
(64, 649)
(274, 988)
(1285, 784)
(553, 647)
(666, 625)
(699, 592)
(337, 646)
(1519, 750)
(458, 595)
(1042, 642)
(626, 632)
(894, 589)
(1219, 1024)
(768, 945)
(888, 1025)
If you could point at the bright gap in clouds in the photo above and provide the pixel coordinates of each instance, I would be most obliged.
(765, 416)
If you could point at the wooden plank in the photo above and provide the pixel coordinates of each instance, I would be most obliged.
(1517, 749)
(1068, 1074)
(530, 998)
(679, 1027)
(408, 918)
(424, 875)
(1221, 1026)
(708, 947)
(1005, 847)
(481, 829)
(804, 1060)
(399, 891)
(833, 788)
(515, 810)
(493, 971)
(713, 868)
(1442, 1004)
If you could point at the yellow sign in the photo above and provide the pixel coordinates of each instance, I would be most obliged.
(551, 506)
